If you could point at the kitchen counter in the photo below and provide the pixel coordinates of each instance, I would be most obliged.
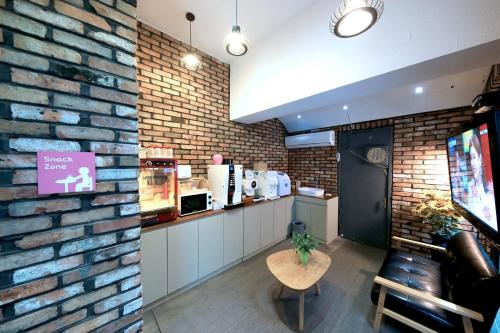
(208, 213)
(327, 196)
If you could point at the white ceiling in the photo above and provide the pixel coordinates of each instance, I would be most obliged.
(438, 94)
(288, 39)
(214, 19)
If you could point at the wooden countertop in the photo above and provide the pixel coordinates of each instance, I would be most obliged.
(188, 218)
(208, 213)
(326, 196)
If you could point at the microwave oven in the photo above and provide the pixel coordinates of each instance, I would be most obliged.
(194, 202)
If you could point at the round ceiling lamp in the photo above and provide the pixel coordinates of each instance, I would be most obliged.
(191, 60)
(235, 41)
(354, 17)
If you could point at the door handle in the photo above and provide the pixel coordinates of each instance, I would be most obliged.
(385, 203)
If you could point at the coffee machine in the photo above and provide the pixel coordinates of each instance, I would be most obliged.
(225, 182)
(249, 183)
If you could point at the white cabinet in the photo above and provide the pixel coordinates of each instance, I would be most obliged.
(319, 215)
(303, 213)
(280, 217)
(318, 221)
(267, 223)
(283, 215)
(251, 229)
(175, 256)
(182, 255)
(233, 236)
(289, 213)
(154, 265)
(211, 244)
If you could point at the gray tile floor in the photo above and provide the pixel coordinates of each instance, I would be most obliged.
(241, 299)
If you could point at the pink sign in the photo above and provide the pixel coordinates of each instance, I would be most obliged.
(65, 172)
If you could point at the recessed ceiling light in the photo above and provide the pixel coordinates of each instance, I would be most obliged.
(345, 107)
(419, 90)
(299, 116)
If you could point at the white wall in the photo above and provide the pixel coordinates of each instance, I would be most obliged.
(302, 59)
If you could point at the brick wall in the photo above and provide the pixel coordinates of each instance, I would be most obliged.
(419, 163)
(189, 110)
(67, 83)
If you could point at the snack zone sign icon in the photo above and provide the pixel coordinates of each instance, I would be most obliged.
(65, 172)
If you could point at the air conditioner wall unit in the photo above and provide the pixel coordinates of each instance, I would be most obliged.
(309, 140)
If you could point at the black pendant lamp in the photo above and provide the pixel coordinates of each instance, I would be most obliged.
(236, 41)
(191, 60)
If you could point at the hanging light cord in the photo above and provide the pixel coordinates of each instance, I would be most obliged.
(190, 46)
(236, 12)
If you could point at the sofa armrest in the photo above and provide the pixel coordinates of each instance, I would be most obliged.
(399, 240)
(452, 307)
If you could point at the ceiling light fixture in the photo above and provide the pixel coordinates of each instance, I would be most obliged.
(345, 107)
(354, 17)
(235, 41)
(419, 90)
(191, 60)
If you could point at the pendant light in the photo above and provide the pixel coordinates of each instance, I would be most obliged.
(235, 41)
(191, 60)
(354, 17)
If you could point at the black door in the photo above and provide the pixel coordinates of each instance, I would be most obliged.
(364, 185)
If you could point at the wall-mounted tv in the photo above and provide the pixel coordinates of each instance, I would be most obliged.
(474, 174)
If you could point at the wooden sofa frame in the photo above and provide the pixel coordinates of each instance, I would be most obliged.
(386, 284)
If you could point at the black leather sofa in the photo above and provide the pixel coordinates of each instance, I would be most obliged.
(450, 296)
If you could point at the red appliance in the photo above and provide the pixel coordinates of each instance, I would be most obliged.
(158, 190)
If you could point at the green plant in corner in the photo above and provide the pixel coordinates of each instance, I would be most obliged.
(304, 244)
(437, 210)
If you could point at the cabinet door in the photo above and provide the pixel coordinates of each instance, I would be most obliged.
(302, 214)
(233, 236)
(182, 255)
(289, 209)
(154, 265)
(211, 244)
(251, 229)
(267, 218)
(318, 222)
(280, 216)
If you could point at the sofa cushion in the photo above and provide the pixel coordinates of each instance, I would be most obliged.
(419, 273)
(470, 277)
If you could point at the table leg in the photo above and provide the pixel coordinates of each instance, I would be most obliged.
(301, 312)
(317, 289)
(281, 290)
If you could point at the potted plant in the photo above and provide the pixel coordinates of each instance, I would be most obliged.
(438, 211)
(304, 244)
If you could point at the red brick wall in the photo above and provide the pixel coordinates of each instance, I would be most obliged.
(189, 110)
(67, 83)
(419, 163)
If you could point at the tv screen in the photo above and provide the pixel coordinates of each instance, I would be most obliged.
(471, 174)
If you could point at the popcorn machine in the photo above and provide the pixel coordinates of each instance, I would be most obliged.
(158, 190)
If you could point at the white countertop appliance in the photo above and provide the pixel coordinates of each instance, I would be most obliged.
(225, 182)
(249, 183)
(268, 183)
(194, 202)
(249, 187)
(284, 184)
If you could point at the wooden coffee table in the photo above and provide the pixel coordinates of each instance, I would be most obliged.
(286, 267)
